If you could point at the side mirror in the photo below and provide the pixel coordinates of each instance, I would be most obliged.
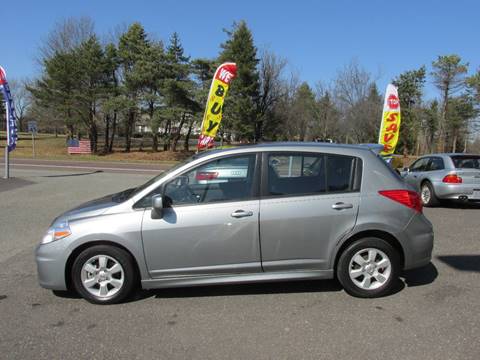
(157, 207)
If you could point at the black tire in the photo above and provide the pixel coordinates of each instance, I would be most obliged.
(432, 200)
(344, 264)
(128, 276)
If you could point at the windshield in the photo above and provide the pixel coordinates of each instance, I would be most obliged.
(466, 161)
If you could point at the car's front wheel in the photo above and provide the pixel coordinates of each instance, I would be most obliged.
(369, 268)
(104, 274)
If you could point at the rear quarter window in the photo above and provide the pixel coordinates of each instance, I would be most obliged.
(390, 169)
(466, 161)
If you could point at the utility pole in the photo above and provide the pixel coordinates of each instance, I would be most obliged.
(7, 157)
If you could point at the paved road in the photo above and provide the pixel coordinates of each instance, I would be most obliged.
(434, 314)
(65, 165)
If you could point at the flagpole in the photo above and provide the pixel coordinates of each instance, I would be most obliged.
(7, 158)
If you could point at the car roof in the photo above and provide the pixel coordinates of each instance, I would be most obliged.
(449, 154)
(290, 145)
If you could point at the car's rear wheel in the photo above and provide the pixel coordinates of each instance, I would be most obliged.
(369, 268)
(427, 194)
(104, 274)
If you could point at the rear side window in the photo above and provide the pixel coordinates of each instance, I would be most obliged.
(466, 161)
(309, 174)
(436, 163)
(340, 173)
(293, 174)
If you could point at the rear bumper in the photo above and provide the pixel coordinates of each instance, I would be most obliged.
(457, 191)
(417, 241)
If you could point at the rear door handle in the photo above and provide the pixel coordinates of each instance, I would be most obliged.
(241, 213)
(341, 206)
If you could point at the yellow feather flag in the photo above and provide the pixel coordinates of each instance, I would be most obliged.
(390, 128)
(214, 108)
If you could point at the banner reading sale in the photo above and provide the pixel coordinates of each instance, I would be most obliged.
(390, 128)
(214, 108)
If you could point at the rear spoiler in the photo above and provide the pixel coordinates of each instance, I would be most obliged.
(376, 148)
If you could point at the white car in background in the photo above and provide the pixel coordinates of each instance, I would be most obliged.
(448, 176)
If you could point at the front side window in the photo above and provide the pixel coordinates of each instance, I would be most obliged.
(225, 179)
(419, 165)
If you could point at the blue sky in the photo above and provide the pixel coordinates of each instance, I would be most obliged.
(317, 37)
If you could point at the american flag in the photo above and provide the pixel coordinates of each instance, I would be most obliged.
(79, 147)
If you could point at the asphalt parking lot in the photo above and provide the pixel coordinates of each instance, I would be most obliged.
(435, 314)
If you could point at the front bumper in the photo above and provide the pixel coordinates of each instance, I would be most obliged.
(457, 191)
(51, 259)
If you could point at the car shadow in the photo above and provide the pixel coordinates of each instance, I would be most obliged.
(285, 287)
(417, 277)
(459, 205)
(420, 276)
(469, 263)
(13, 183)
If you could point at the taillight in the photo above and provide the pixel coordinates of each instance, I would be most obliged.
(452, 179)
(206, 175)
(405, 197)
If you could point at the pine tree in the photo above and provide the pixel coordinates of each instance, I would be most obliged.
(91, 85)
(152, 71)
(113, 104)
(304, 109)
(449, 75)
(240, 108)
(461, 110)
(327, 117)
(131, 48)
(410, 91)
(178, 89)
(202, 71)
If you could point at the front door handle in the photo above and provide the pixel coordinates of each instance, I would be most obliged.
(341, 206)
(241, 213)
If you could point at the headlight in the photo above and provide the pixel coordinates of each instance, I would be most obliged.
(57, 232)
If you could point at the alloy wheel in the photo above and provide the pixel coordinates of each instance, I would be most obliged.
(425, 194)
(102, 276)
(370, 268)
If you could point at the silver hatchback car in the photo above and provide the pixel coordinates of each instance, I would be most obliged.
(445, 177)
(272, 212)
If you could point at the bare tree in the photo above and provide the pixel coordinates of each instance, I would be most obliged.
(66, 35)
(272, 89)
(359, 102)
(352, 84)
(22, 100)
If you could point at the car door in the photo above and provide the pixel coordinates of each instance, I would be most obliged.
(416, 172)
(210, 224)
(309, 200)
